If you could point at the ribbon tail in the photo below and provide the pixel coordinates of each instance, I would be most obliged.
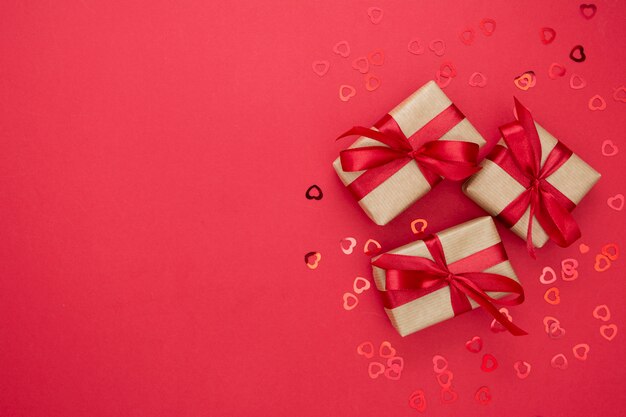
(556, 220)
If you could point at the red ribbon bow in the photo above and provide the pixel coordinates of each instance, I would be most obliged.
(523, 162)
(455, 160)
(417, 274)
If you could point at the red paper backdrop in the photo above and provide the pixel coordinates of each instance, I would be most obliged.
(153, 163)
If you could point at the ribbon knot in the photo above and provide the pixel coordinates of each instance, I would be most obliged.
(421, 275)
(544, 201)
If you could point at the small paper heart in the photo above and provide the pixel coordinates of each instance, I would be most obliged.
(597, 103)
(608, 331)
(552, 296)
(609, 148)
(346, 92)
(444, 379)
(488, 26)
(361, 64)
(418, 226)
(438, 46)
(360, 285)
(375, 14)
(372, 82)
(580, 351)
(483, 396)
(602, 263)
(556, 331)
(556, 70)
(620, 94)
(312, 259)
(321, 67)
(442, 81)
(611, 251)
(616, 202)
(602, 312)
(477, 79)
(347, 245)
(314, 193)
(440, 364)
(342, 48)
(489, 363)
(588, 10)
(467, 36)
(350, 301)
(415, 47)
(371, 247)
(522, 369)
(417, 400)
(583, 248)
(547, 35)
(386, 350)
(577, 54)
(549, 321)
(559, 361)
(447, 70)
(366, 349)
(547, 271)
(577, 82)
(375, 369)
(474, 345)
(376, 57)
(448, 396)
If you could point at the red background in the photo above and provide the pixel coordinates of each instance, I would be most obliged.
(153, 161)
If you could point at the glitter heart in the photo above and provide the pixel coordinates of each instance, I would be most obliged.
(602, 312)
(415, 46)
(552, 296)
(577, 82)
(371, 251)
(477, 79)
(342, 49)
(444, 379)
(375, 14)
(442, 81)
(417, 400)
(448, 396)
(423, 224)
(350, 301)
(556, 70)
(361, 64)
(347, 245)
(488, 26)
(346, 92)
(467, 36)
(547, 35)
(583, 248)
(496, 326)
(321, 67)
(312, 259)
(548, 321)
(376, 57)
(588, 10)
(483, 396)
(611, 251)
(620, 94)
(372, 82)
(474, 345)
(366, 349)
(547, 271)
(314, 193)
(375, 369)
(577, 54)
(386, 350)
(489, 363)
(522, 369)
(559, 361)
(609, 148)
(360, 285)
(438, 46)
(440, 364)
(608, 331)
(597, 103)
(602, 263)
(616, 202)
(580, 351)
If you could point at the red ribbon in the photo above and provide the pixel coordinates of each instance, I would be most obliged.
(455, 160)
(522, 161)
(411, 277)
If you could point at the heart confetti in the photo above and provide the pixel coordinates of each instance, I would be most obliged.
(375, 14)
(386, 350)
(321, 67)
(522, 369)
(602, 263)
(417, 400)
(496, 326)
(314, 193)
(559, 361)
(569, 271)
(611, 251)
(375, 369)
(552, 296)
(608, 331)
(619, 94)
(448, 396)
(361, 285)
(547, 35)
(415, 46)
(597, 103)
(418, 226)
(442, 81)
(438, 46)
(447, 70)
(376, 57)
(483, 396)
(346, 92)
(588, 10)
(474, 345)
(583, 248)
(312, 259)
(580, 351)
(361, 64)
(467, 36)
(556, 70)
(547, 271)
(372, 82)
(440, 364)
(477, 79)
(369, 250)
(366, 349)
(609, 148)
(616, 202)
(602, 312)
(549, 322)
(525, 81)
(347, 245)
(342, 48)
(350, 301)
(488, 26)
(577, 82)
(489, 363)
(444, 379)
(577, 54)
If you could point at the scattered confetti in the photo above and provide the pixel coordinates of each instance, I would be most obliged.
(415, 46)
(602, 263)
(314, 193)
(368, 250)
(350, 301)
(559, 361)
(395, 364)
(577, 82)
(448, 396)
(525, 81)
(342, 48)
(588, 10)
(552, 296)
(488, 26)
(361, 64)
(555, 330)
(361, 285)
(547, 271)
(366, 349)
(444, 379)
(419, 226)
(556, 70)
(386, 350)
(547, 35)
(375, 369)
(483, 396)
(583, 248)
(375, 14)
(376, 57)
(569, 271)
(312, 259)
(438, 46)
(346, 92)
(549, 321)
(321, 67)
(577, 54)
(417, 400)
(489, 363)
(372, 82)
(467, 36)
(611, 251)
(597, 103)
(602, 312)
(616, 202)
(347, 245)
(608, 331)
(609, 148)
(477, 79)
(580, 351)
(440, 364)
(474, 345)
(522, 369)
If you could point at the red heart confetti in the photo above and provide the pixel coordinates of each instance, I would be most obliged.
(375, 369)
(522, 369)
(467, 36)
(360, 285)
(312, 259)
(440, 363)
(602, 263)
(376, 57)
(423, 224)
(525, 81)
(489, 363)
(597, 103)
(474, 345)
(321, 67)
(608, 331)
(346, 92)
(559, 361)
(483, 396)
(347, 245)
(372, 82)
(547, 271)
(616, 202)
(556, 70)
(314, 192)
(444, 379)
(611, 251)
(417, 400)
(588, 10)
(577, 82)
(577, 54)
(477, 79)
(342, 48)
(620, 94)
(552, 296)
(488, 26)
(547, 35)
(448, 396)
(350, 301)
(602, 312)
(415, 46)
(438, 46)
(371, 247)
(386, 350)
(442, 81)
(375, 14)
(361, 64)
(580, 351)
(609, 148)
(365, 349)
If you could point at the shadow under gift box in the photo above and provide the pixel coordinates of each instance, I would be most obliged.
(458, 243)
(493, 189)
(408, 184)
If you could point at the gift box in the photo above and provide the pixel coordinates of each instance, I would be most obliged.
(407, 152)
(447, 274)
(529, 170)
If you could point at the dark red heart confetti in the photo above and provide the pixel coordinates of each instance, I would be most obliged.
(489, 363)
(577, 54)
(314, 193)
(588, 10)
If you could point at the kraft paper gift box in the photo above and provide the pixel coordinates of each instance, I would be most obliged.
(426, 115)
(494, 188)
(474, 246)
